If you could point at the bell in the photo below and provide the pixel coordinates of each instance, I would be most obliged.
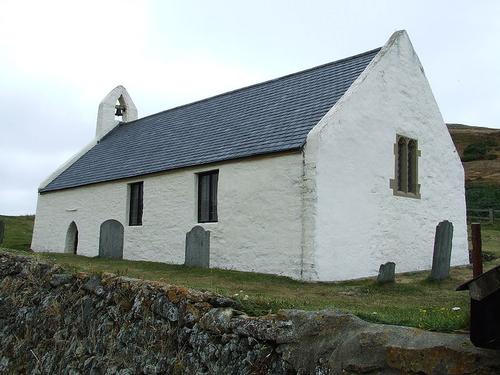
(119, 111)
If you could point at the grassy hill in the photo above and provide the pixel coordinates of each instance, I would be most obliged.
(18, 231)
(479, 149)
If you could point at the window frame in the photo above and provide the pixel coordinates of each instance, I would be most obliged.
(210, 216)
(135, 215)
(406, 154)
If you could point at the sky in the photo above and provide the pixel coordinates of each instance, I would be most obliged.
(58, 59)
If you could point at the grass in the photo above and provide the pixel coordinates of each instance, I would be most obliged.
(482, 196)
(490, 238)
(18, 231)
(480, 151)
(411, 301)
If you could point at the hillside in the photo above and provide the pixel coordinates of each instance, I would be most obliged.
(18, 230)
(479, 149)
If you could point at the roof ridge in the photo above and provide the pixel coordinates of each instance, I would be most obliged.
(255, 85)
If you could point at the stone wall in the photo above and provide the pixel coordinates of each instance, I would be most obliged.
(52, 322)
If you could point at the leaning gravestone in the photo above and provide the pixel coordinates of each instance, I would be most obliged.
(2, 231)
(442, 251)
(386, 273)
(197, 247)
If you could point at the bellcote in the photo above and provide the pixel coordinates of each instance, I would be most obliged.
(116, 107)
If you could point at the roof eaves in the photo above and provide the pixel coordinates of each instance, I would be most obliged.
(182, 166)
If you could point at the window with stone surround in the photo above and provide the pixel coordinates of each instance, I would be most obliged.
(405, 182)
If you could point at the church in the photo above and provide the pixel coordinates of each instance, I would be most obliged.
(319, 175)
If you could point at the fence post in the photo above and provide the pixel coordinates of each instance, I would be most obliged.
(490, 213)
(477, 258)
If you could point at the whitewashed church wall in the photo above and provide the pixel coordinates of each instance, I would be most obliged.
(259, 212)
(358, 222)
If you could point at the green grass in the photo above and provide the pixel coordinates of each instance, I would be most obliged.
(482, 196)
(490, 237)
(411, 301)
(18, 231)
(480, 151)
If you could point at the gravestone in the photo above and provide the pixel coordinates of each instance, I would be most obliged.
(197, 247)
(111, 240)
(2, 231)
(386, 273)
(442, 251)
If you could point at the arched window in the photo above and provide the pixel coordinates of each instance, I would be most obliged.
(405, 182)
(71, 239)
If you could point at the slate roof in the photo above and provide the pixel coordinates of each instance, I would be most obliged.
(268, 117)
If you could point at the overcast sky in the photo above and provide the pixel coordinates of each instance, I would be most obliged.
(58, 59)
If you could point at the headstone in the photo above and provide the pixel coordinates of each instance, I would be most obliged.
(386, 273)
(197, 247)
(2, 231)
(442, 251)
(111, 240)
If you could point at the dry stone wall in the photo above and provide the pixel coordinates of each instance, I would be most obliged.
(52, 322)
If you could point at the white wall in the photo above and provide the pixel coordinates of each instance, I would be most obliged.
(259, 210)
(357, 221)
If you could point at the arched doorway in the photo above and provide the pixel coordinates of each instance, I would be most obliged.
(111, 240)
(71, 239)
